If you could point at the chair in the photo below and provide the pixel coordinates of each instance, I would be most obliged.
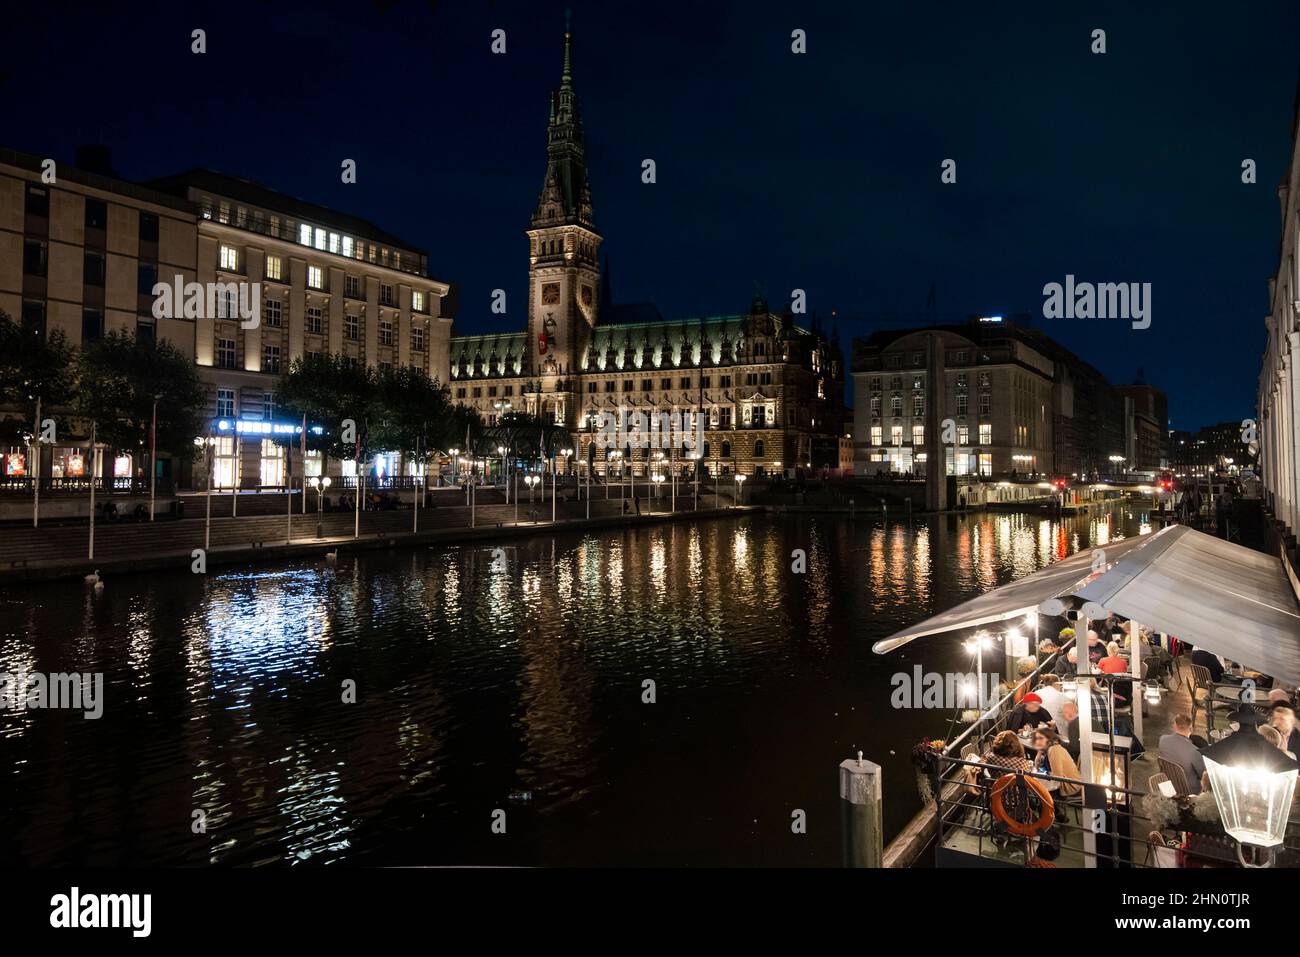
(1154, 782)
(1200, 681)
(1174, 773)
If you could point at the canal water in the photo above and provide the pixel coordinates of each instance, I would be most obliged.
(512, 680)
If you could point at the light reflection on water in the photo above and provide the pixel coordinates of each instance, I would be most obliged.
(481, 685)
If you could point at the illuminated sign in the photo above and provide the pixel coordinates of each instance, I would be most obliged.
(250, 427)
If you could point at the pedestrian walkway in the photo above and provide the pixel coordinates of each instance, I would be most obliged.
(65, 551)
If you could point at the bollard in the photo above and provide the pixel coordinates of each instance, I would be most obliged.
(861, 832)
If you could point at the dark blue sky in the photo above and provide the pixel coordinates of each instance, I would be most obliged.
(818, 171)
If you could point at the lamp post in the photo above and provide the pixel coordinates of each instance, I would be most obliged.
(505, 474)
(206, 445)
(320, 485)
(531, 481)
(1253, 783)
(659, 481)
(740, 488)
(153, 455)
(696, 456)
(1115, 461)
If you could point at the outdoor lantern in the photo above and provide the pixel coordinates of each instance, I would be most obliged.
(1253, 783)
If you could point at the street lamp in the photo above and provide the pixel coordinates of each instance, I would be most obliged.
(1253, 783)
(320, 485)
(695, 457)
(740, 487)
(1115, 460)
(205, 443)
(658, 479)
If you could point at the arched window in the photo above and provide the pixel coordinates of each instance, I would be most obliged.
(758, 449)
(726, 450)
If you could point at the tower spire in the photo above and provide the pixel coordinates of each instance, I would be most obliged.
(566, 194)
(566, 78)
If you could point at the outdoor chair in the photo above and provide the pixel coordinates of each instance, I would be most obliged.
(1175, 775)
(1154, 782)
(1200, 687)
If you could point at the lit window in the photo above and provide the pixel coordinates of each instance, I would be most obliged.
(896, 435)
(314, 277)
(417, 301)
(877, 435)
(918, 435)
(304, 234)
(274, 267)
(320, 238)
(334, 242)
(229, 258)
(347, 246)
(986, 434)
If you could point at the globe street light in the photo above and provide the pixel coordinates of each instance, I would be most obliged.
(501, 451)
(658, 479)
(320, 485)
(740, 488)
(206, 444)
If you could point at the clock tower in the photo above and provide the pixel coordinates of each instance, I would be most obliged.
(563, 271)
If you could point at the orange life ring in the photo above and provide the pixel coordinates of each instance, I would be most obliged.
(1022, 828)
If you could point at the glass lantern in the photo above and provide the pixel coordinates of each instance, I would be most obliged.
(1253, 783)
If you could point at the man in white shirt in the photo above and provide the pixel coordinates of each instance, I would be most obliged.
(1053, 697)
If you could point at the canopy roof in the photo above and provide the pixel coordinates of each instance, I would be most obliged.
(1228, 599)
(1233, 601)
(1014, 599)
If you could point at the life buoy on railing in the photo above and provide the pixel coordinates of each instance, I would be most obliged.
(1022, 828)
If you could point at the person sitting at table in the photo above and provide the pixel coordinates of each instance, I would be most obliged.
(1209, 660)
(1068, 664)
(1049, 689)
(1068, 728)
(1113, 664)
(1005, 754)
(1029, 713)
(1178, 749)
(1274, 737)
(1053, 758)
(1096, 650)
(1278, 698)
(1284, 720)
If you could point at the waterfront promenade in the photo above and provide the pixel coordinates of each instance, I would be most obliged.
(62, 550)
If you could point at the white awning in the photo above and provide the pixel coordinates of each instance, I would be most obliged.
(1228, 599)
(1016, 598)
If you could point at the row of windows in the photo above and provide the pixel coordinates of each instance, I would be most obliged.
(37, 206)
(684, 382)
(314, 237)
(918, 435)
(274, 271)
(227, 351)
(961, 401)
(918, 382)
(917, 359)
(36, 263)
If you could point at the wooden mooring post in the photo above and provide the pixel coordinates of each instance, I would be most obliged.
(861, 831)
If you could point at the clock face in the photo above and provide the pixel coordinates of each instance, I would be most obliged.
(551, 293)
(586, 295)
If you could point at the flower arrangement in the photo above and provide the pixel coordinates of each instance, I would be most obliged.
(1065, 635)
(925, 758)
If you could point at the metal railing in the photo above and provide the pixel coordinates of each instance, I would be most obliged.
(19, 484)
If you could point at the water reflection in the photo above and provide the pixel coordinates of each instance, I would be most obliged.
(377, 711)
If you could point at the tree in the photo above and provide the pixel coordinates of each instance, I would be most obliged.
(332, 390)
(119, 379)
(410, 412)
(32, 367)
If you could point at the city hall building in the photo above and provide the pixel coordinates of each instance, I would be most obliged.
(768, 392)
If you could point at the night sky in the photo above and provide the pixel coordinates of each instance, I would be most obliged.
(775, 171)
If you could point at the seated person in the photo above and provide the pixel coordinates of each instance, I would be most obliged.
(1177, 748)
(1049, 689)
(1096, 649)
(1029, 713)
(1113, 663)
(1210, 661)
(1278, 698)
(1274, 737)
(1067, 665)
(1054, 759)
(1284, 720)
(1005, 754)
